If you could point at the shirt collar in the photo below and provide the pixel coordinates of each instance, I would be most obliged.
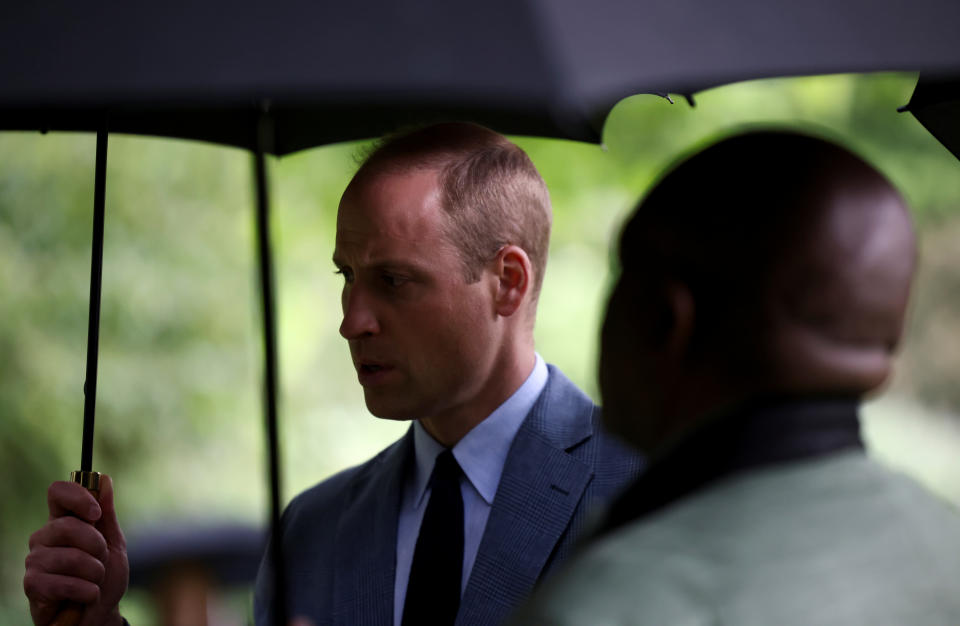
(483, 451)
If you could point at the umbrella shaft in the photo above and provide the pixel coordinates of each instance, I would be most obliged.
(264, 144)
(93, 326)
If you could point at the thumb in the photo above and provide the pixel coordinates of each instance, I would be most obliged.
(108, 524)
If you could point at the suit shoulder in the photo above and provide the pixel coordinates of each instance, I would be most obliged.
(615, 463)
(561, 390)
(573, 421)
(334, 492)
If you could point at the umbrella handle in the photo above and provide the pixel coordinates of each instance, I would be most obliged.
(71, 613)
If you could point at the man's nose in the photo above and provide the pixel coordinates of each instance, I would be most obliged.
(359, 318)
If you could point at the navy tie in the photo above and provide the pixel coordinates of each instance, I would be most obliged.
(433, 590)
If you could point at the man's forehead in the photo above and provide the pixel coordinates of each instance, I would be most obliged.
(395, 194)
(379, 245)
(393, 212)
(369, 241)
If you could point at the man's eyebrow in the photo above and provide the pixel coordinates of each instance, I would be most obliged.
(385, 263)
(395, 264)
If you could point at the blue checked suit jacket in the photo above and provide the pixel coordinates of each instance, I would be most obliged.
(339, 537)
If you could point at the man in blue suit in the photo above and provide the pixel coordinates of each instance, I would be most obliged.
(442, 240)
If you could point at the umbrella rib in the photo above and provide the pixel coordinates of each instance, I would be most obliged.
(264, 144)
(93, 325)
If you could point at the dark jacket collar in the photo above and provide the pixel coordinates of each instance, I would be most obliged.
(765, 432)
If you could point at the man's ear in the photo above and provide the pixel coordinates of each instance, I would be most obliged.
(514, 274)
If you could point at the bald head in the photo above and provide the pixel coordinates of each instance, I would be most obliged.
(771, 262)
(836, 296)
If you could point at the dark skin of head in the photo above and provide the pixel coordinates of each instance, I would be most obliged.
(819, 314)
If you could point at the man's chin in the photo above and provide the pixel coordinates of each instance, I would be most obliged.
(393, 417)
(384, 409)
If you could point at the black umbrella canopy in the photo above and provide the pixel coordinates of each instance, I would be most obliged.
(330, 71)
(936, 104)
(614, 48)
(338, 71)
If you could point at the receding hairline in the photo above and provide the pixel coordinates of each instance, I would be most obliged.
(397, 166)
(433, 148)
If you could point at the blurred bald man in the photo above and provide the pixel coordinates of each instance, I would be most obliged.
(763, 293)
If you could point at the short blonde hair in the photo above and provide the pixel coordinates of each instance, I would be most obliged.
(491, 191)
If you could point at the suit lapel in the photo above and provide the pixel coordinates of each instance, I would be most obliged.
(366, 546)
(539, 491)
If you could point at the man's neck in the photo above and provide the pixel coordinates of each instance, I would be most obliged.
(451, 426)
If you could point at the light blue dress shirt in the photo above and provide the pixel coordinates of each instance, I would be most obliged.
(481, 454)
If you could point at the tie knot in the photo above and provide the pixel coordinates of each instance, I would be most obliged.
(445, 468)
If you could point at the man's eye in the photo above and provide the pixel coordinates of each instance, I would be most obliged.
(347, 274)
(393, 280)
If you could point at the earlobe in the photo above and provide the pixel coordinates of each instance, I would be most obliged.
(514, 274)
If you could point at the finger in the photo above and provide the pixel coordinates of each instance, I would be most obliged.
(108, 524)
(66, 562)
(49, 589)
(70, 532)
(301, 621)
(66, 498)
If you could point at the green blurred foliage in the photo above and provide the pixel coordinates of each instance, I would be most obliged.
(179, 403)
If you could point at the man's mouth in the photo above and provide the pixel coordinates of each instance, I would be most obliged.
(372, 373)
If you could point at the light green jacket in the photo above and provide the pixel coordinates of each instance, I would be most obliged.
(832, 540)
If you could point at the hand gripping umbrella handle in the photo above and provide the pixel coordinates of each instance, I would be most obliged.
(71, 612)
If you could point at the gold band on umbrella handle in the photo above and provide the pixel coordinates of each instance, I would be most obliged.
(89, 480)
(71, 613)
